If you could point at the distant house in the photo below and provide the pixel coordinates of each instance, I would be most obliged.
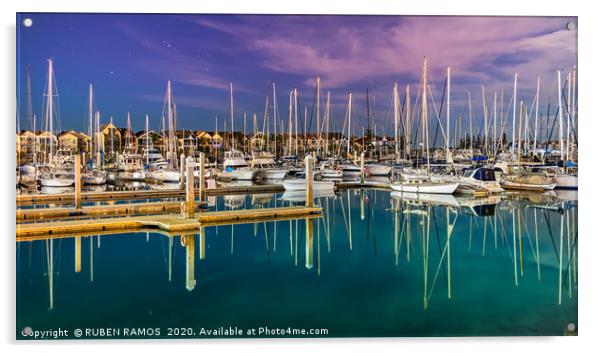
(151, 138)
(74, 141)
(111, 138)
(187, 141)
(25, 141)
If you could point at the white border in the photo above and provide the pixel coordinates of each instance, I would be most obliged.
(589, 245)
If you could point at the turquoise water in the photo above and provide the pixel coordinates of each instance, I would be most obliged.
(354, 276)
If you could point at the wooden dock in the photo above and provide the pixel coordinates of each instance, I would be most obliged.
(26, 200)
(130, 209)
(171, 223)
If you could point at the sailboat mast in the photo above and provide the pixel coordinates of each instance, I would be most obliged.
(327, 122)
(514, 112)
(147, 136)
(290, 122)
(485, 116)
(49, 107)
(395, 119)
(495, 123)
(407, 128)
(90, 124)
(349, 128)
(569, 117)
(275, 124)
(536, 116)
(448, 108)
(470, 123)
(296, 124)
(425, 115)
(318, 126)
(560, 117)
(232, 116)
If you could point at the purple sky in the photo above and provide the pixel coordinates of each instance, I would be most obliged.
(130, 57)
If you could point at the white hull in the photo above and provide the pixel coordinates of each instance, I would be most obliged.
(300, 184)
(274, 174)
(57, 182)
(331, 173)
(166, 176)
(566, 181)
(241, 174)
(377, 169)
(94, 178)
(524, 186)
(425, 188)
(27, 169)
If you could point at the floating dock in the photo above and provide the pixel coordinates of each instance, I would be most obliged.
(172, 223)
(26, 200)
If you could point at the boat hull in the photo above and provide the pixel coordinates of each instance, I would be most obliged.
(426, 188)
(301, 184)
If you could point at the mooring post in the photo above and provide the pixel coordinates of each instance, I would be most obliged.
(189, 187)
(362, 170)
(309, 181)
(201, 176)
(78, 181)
(182, 171)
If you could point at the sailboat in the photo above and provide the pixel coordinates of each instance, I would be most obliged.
(57, 174)
(418, 182)
(235, 165)
(94, 176)
(169, 172)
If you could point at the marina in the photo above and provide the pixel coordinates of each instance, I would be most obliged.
(182, 188)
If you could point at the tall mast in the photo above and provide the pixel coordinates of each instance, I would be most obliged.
(514, 112)
(275, 124)
(569, 117)
(349, 128)
(470, 122)
(560, 117)
(327, 121)
(318, 126)
(495, 123)
(573, 103)
(128, 138)
(232, 115)
(90, 124)
(536, 116)
(49, 107)
(485, 116)
(290, 122)
(425, 115)
(448, 107)
(98, 141)
(147, 136)
(395, 119)
(244, 132)
(407, 128)
(296, 125)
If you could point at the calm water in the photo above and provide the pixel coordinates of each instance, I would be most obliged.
(376, 265)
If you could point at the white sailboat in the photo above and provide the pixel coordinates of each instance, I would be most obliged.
(169, 172)
(424, 183)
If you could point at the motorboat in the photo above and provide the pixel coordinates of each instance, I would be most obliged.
(481, 178)
(94, 177)
(265, 166)
(377, 169)
(235, 166)
(57, 179)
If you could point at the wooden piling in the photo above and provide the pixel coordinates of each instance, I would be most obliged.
(362, 170)
(189, 187)
(78, 181)
(309, 181)
(182, 171)
(201, 176)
